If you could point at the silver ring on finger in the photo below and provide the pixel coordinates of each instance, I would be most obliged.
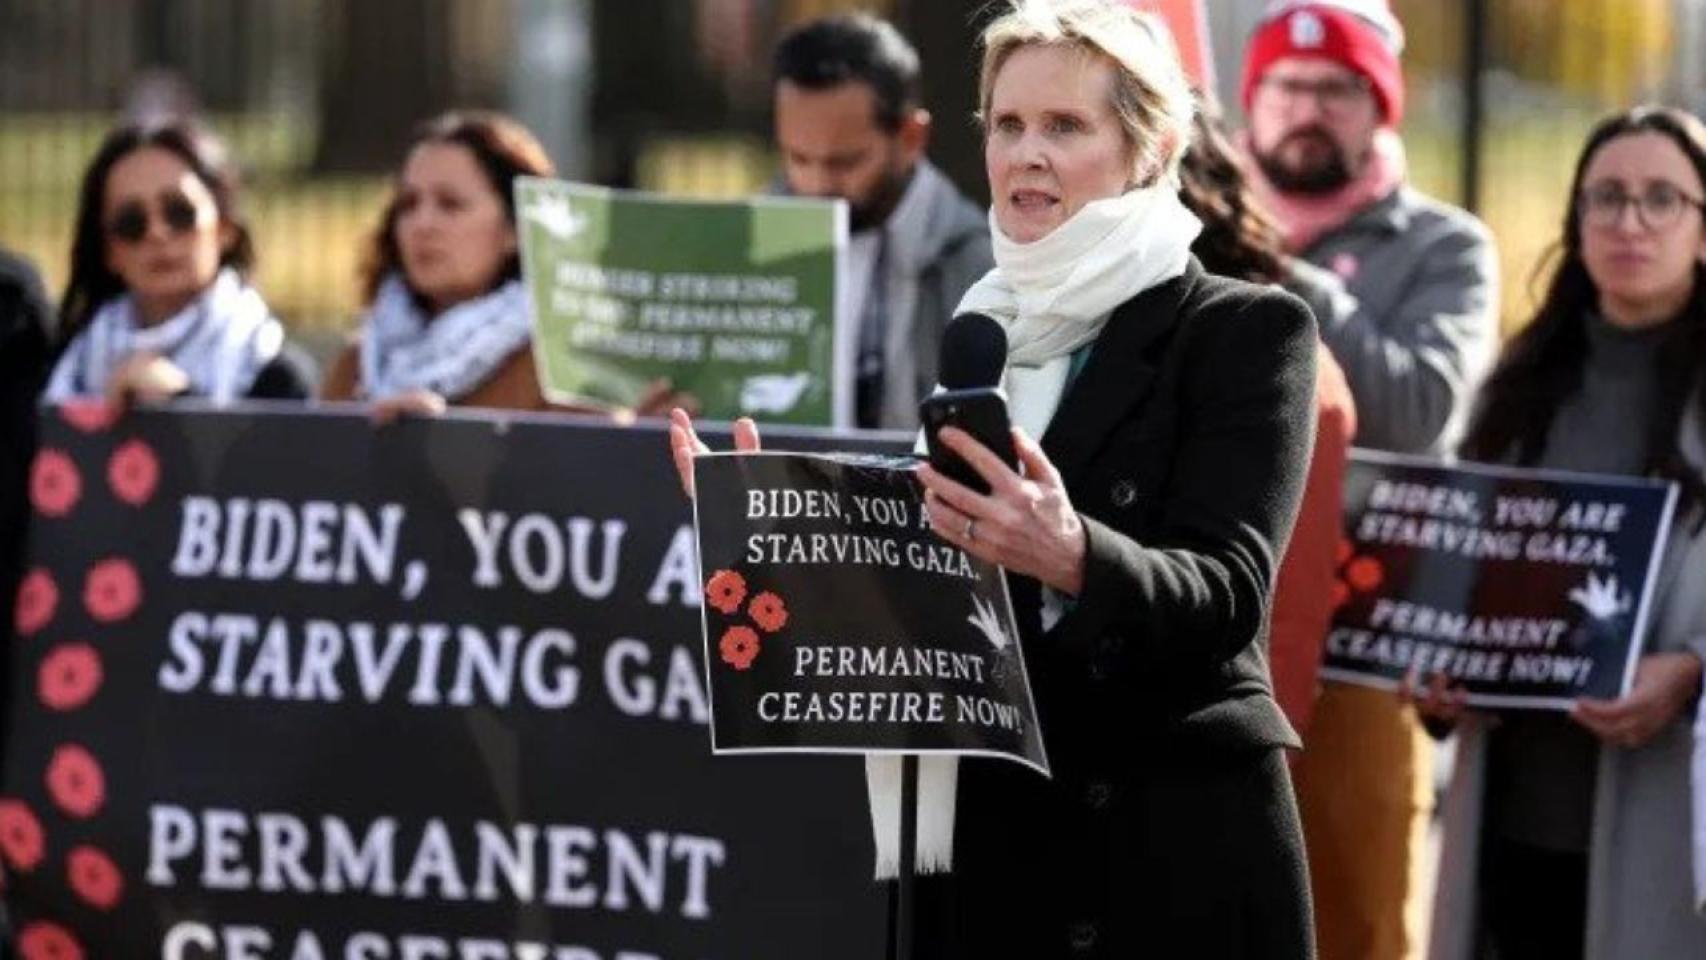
(971, 529)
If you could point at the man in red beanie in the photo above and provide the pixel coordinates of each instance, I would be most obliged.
(1414, 328)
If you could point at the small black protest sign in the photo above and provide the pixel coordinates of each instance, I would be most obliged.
(1530, 588)
(837, 622)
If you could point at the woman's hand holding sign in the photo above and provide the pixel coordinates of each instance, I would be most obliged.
(1439, 703)
(1665, 684)
(684, 444)
(409, 403)
(148, 378)
(1025, 523)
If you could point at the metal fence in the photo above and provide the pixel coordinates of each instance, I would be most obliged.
(1508, 91)
(314, 97)
(317, 98)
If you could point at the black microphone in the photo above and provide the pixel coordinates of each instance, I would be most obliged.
(974, 352)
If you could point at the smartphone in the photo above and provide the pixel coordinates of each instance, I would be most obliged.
(980, 412)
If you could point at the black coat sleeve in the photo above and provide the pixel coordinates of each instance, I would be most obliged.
(26, 325)
(1197, 589)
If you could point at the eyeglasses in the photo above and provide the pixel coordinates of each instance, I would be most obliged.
(1658, 207)
(1336, 95)
(130, 223)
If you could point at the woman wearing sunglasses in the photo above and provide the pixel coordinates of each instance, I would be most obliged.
(1566, 835)
(159, 305)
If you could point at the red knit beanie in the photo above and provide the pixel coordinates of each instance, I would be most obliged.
(1328, 32)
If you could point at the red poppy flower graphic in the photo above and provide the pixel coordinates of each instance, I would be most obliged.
(95, 877)
(69, 676)
(75, 781)
(89, 416)
(21, 839)
(739, 647)
(112, 591)
(726, 591)
(133, 472)
(38, 598)
(1365, 574)
(769, 612)
(54, 483)
(48, 941)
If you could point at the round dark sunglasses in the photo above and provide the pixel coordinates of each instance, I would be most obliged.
(130, 223)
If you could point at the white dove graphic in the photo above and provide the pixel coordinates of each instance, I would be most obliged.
(773, 392)
(557, 217)
(987, 623)
(1601, 598)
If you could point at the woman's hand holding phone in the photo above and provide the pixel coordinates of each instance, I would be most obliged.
(1024, 523)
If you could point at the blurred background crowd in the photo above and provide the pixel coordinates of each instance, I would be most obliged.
(315, 96)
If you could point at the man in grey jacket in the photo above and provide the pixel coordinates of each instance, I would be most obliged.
(1413, 290)
(849, 124)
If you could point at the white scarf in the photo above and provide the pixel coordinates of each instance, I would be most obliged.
(1052, 297)
(221, 341)
(451, 354)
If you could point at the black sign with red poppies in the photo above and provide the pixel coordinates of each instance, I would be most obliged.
(837, 622)
(287, 685)
(1529, 588)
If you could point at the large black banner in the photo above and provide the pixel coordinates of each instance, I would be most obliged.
(291, 686)
(837, 621)
(1527, 587)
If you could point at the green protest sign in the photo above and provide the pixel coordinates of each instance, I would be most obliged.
(731, 301)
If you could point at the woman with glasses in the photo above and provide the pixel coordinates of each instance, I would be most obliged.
(1567, 833)
(159, 304)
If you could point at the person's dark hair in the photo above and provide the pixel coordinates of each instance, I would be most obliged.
(91, 282)
(1239, 239)
(1542, 366)
(502, 148)
(853, 48)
